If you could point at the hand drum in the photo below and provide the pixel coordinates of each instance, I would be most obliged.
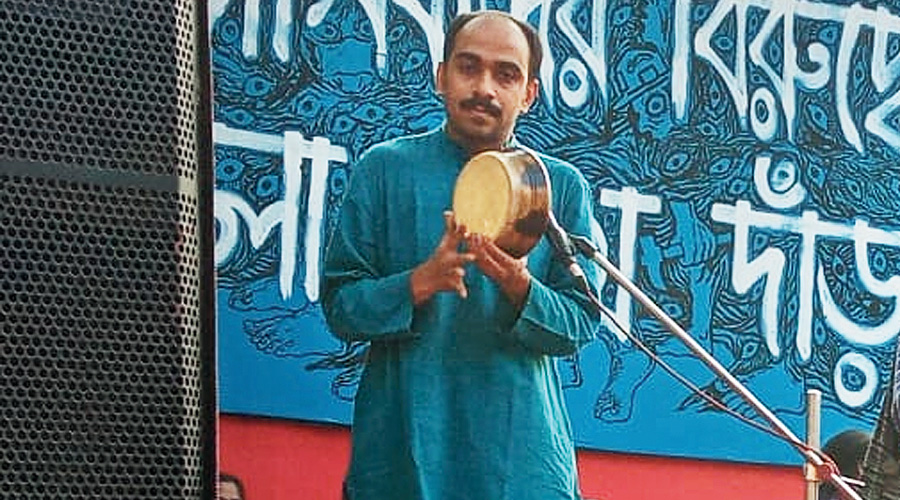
(505, 196)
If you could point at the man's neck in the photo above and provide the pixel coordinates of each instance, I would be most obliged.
(473, 148)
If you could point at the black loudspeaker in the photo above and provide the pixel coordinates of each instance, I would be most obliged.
(107, 347)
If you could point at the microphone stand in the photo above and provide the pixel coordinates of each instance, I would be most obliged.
(586, 248)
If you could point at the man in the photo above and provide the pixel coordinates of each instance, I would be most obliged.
(460, 397)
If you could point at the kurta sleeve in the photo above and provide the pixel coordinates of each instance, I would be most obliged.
(360, 301)
(557, 319)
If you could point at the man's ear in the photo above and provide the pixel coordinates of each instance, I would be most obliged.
(531, 93)
(439, 79)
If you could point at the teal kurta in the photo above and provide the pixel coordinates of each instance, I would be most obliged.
(460, 398)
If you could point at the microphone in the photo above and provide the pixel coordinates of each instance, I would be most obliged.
(565, 251)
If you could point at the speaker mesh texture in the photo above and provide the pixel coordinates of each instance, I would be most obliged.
(101, 357)
(106, 84)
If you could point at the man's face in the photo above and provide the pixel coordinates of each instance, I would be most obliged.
(485, 82)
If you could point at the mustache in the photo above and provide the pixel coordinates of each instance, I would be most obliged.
(489, 105)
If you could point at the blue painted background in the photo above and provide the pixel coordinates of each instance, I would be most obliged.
(744, 160)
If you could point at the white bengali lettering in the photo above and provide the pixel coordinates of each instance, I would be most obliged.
(230, 207)
(768, 106)
(810, 276)
(631, 204)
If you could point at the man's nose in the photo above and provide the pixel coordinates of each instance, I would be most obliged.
(485, 84)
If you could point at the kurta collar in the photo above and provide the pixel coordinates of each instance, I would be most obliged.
(453, 147)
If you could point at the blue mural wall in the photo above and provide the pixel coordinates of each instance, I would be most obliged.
(745, 163)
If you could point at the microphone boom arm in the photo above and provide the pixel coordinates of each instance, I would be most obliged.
(586, 248)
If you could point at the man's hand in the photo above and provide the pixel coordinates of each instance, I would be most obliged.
(444, 270)
(510, 274)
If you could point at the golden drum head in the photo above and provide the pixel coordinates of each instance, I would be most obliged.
(505, 196)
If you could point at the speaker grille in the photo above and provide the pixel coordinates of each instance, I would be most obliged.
(105, 251)
(100, 341)
(105, 84)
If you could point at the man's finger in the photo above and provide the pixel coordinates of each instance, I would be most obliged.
(462, 290)
(489, 267)
(496, 253)
(461, 259)
(484, 258)
(452, 226)
(454, 232)
(449, 222)
(499, 256)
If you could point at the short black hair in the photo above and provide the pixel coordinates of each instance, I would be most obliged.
(848, 450)
(535, 49)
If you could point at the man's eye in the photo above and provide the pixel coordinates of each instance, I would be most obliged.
(468, 67)
(507, 76)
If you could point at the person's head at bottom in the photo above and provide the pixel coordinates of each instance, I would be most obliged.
(230, 488)
(848, 450)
